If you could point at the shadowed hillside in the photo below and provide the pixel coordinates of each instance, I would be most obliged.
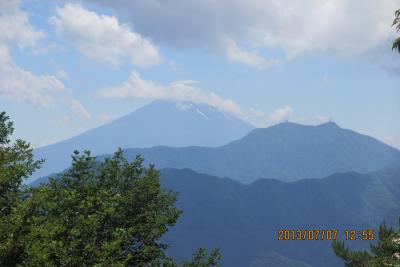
(243, 220)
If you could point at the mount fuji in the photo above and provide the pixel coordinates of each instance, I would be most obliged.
(166, 123)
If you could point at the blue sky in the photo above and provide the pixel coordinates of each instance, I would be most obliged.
(70, 66)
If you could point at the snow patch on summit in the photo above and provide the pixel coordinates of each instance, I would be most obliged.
(227, 115)
(202, 114)
(183, 106)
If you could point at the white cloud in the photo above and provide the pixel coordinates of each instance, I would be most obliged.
(348, 27)
(62, 75)
(23, 86)
(15, 27)
(103, 37)
(251, 58)
(322, 119)
(136, 87)
(106, 117)
(18, 84)
(280, 114)
(43, 91)
(79, 109)
(186, 90)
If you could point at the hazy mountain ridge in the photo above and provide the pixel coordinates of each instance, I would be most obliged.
(224, 213)
(286, 151)
(220, 212)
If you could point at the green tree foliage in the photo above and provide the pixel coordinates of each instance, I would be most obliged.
(202, 259)
(385, 253)
(396, 24)
(16, 164)
(110, 213)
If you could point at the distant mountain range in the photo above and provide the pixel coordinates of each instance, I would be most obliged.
(168, 123)
(243, 220)
(286, 151)
(195, 145)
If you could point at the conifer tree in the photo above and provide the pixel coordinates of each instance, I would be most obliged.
(386, 252)
(396, 24)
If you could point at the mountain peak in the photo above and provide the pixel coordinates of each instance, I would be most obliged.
(200, 110)
(180, 105)
(160, 123)
(330, 123)
(183, 106)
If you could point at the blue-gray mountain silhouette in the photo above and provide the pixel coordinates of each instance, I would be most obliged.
(286, 151)
(243, 220)
(167, 123)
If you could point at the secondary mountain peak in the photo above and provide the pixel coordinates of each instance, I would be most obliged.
(329, 124)
(289, 130)
(286, 151)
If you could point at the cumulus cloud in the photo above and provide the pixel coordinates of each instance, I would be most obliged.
(78, 108)
(43, 91)
(15, 27)
(251, 58)
(15, 82)
(103, 37)
(185, 90)
(297, 27)
(23, 86)
(323, 119)
(62, 75)
(18, 84)
(280, 114)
